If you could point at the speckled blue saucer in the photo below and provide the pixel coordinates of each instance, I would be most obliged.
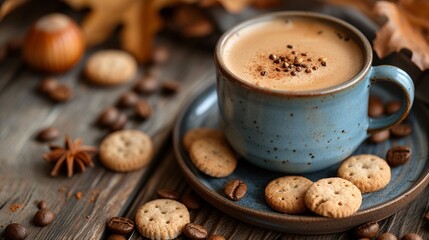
(407, 181)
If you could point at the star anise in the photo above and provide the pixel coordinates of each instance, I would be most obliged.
(72, 154)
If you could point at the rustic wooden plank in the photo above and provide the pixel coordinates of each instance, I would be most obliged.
(23, 113)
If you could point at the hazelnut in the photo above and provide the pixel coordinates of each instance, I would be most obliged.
(53, 44)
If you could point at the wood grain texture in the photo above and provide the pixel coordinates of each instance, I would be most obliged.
(24, 176)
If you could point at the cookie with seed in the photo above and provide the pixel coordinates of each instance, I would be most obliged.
(213, 157)
(199, 133)
(368, 172)
(333, 197)
(286, 194)
(162, 219)
(126, 150)
(110, 67)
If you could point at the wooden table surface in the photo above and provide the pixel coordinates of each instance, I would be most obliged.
(25, 179)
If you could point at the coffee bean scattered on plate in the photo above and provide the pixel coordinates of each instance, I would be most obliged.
(128, 99)
(143, 109)
(43, 217)
(195, 231)
(42, 204)
(120, 225)
(392, 107)
(375, 107)
(427, 216)
(116, 237)
(147, 85)
(191, 200)
(387, 236)
(401, 130)
(367, 230)
(380, 136)
(120, 122)
(167, 193)
(108, 117)
(170, 87)
(411, 236)
(398, 155)
(48, 134)
(216, 237)
(61, 93)
(48, 85)
(3, 53)
(235, 189)
(15, 231)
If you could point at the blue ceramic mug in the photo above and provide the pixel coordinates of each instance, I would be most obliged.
(303, 131)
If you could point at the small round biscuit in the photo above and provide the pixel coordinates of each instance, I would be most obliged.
(126, 150)
(110, 67)
(162, 219)
(333, 197)
(368, 172)
(197, 133)
(213, 157)
(286, 194)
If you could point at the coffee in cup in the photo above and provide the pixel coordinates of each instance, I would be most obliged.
(294, 54)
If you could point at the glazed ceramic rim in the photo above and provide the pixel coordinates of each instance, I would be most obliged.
(355, 34)
(265, 218)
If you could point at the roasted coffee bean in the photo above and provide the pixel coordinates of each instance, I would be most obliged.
(116, 237)
(167, 194)
(392, 107)
(427, 216)
(128, 99)
(142, 109)
(48, 85)
(42, 204)
(120, 225)
(411, 236)
(215, 237)
(43, 217)
(398, 155)
(195, 231)
(367, 230)
(161, 54)
(15, 231)
(380, 136)
(61, 93)
(170, 87)
(48, 134)
(375, 107)
(235, 189)
(401, 130)
(387, 236)
(147, 85)
(108, 117)
(120, 122)
(191, 200)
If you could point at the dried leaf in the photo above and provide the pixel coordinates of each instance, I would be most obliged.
(8, 6)
(233, 6)
(365, 6)
(399, 33)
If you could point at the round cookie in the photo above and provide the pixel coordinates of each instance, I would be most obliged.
(110, 67)
(126, 150)
(368, 172)
(333, 197)
(213, 157)
(197, 133)
(286, 194)
(162, 219)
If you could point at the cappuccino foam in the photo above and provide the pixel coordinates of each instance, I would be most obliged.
(293, 54)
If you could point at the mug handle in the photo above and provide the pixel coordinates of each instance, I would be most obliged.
(400, 78)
